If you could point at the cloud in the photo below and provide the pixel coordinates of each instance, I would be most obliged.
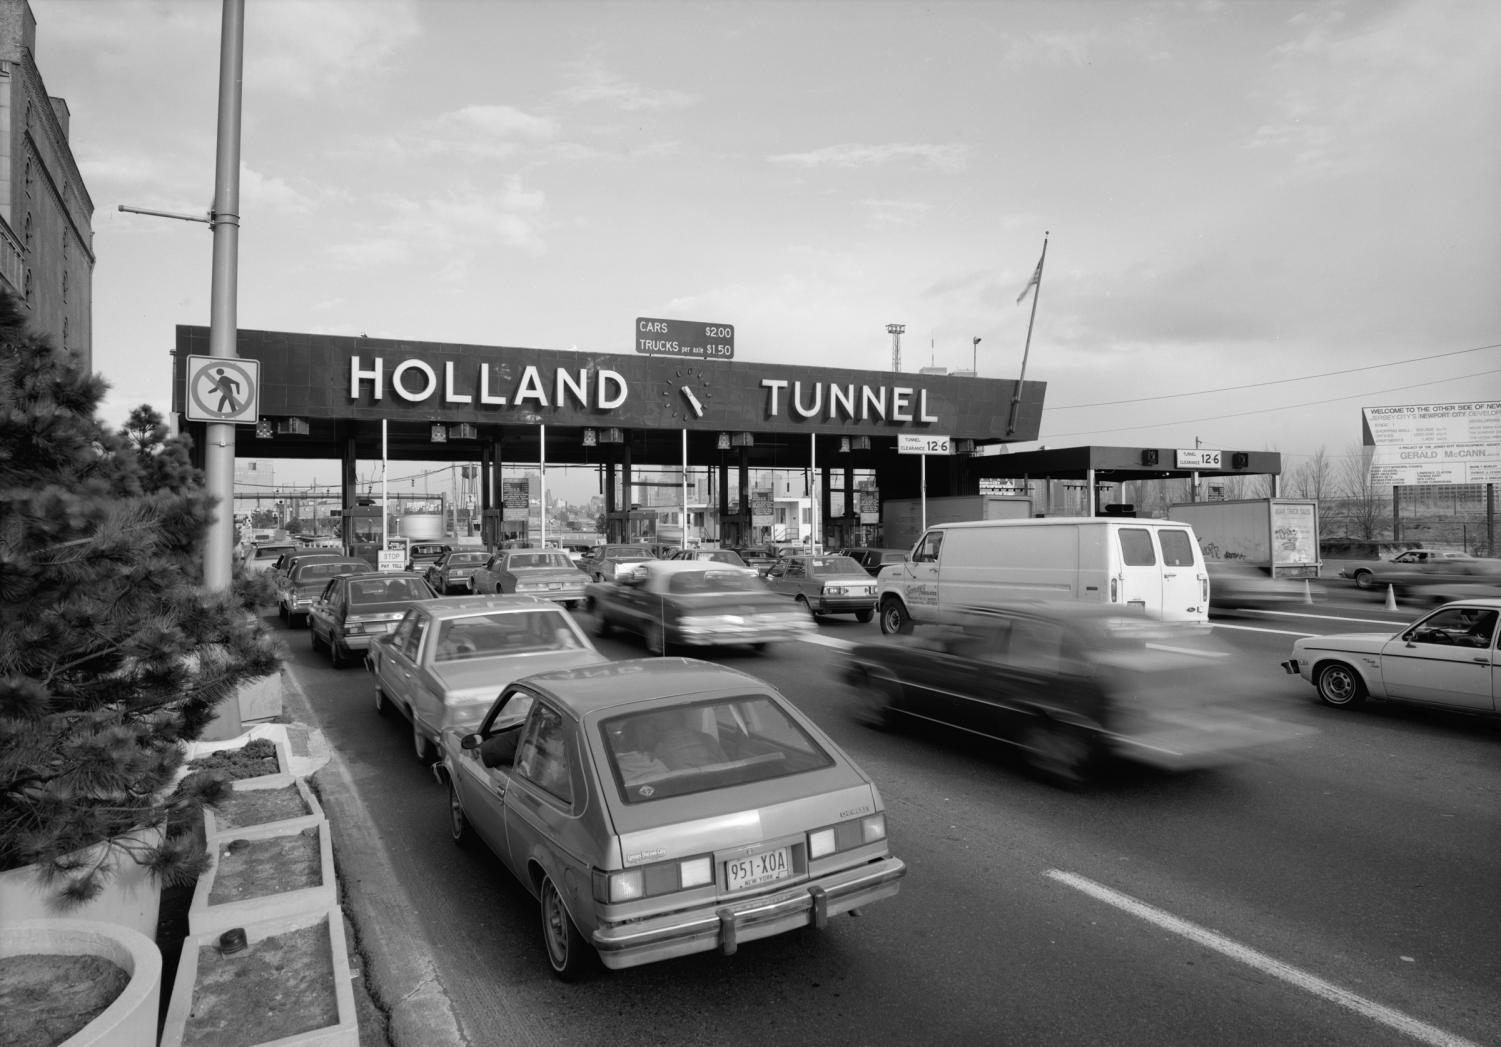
(887, 213)
(950, 159)
(598, 86)
(501, 121)
(302, 47)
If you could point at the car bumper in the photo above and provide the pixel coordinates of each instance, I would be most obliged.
(568, 595)
(712, 635)
(1291, 667)
(723, 927)
(846, 604)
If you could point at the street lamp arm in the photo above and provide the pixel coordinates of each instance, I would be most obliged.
(205, 218)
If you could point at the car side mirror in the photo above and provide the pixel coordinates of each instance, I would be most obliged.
(471, 741)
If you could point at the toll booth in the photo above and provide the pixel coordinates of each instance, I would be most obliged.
(631, 525)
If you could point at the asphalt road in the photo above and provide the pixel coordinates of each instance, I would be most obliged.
(1344, 888)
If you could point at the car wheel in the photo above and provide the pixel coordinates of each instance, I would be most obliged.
(1363, 580)
(316, 639)
(281, 611)
(421, 744)
(382, 706)
(458, 825)
(656, 639)
(760, 648)
(602, 625)
(1340, 686)
(567, 954)
(884, 696)
(1061, 755)
(802, 601)
(338, 656)
(894, 617)
(864, 616)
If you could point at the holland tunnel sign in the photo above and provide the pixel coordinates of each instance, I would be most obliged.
(318, 376)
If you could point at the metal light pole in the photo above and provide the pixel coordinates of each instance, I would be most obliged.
(974, 359)
(224, 219)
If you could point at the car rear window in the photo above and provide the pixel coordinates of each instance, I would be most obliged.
(680, 750)
(312, 571)
(739, 580)
(506, 632)
(382, 590)
(833, 565)
(468, 558)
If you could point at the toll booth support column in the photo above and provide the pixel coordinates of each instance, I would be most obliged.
(742, 479)
(851, 509)
(825, 499)
(609, 491)
(349, 490)
(724, 502)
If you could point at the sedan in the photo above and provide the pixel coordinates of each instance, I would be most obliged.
(721, 556)
(1238, 585)
(1070, 687)
(307, 578)
(607, 562)
(448, 659)
(453, 570)
(354, 609)
(694, 603)
(825, 585)
(662, 807)
(1415, 567)
(1446, 658)
(533, 572)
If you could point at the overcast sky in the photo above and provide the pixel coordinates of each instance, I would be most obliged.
(1263, 216)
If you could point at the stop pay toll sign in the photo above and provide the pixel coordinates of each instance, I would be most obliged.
(223, 389)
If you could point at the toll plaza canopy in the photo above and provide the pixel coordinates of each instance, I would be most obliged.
(325, 397)
(1122, 464)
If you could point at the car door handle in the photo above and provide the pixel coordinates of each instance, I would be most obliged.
(1481, 661)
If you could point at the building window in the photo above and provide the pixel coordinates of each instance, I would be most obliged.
(65, 285)
(65, 332)
(28, 174)
(28, 232)
(28, 285)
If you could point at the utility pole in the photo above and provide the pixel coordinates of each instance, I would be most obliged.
(974, 358)
(896, 345)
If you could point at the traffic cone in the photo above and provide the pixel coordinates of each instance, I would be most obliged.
(1307, 591)
(1391, 599)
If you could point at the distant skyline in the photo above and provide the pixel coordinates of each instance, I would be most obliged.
(1262, 216)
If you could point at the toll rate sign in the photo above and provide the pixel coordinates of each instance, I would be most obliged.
(684, 338)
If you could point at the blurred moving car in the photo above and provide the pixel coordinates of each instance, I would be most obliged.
(306, 579)
(1415, 566)
(607, 562)
(759, 557)
(452, 571)
(1236, 584)
(1446, 658)
(447, 659)
(694, 603)
(532, 572)
(825, 584)
(422, 555)
(1071, 686)
(354, 609)
(873, 559)
(662, 807)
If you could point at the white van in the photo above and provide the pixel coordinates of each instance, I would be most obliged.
(1151, 565)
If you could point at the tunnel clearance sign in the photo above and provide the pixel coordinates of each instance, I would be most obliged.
(684, 338)
(915, 443)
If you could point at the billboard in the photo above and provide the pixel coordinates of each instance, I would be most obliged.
(1455, 443)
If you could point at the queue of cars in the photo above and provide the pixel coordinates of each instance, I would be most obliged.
(664, 806)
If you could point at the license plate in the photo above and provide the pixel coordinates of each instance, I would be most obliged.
(755, 869)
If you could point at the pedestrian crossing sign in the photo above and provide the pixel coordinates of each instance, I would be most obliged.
(223, 389)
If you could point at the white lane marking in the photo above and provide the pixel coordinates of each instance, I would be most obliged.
(1335, 618)
(826, 641)
(1309, 983)
(1259, 629)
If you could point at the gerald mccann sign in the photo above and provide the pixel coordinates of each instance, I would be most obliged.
(603, 389)
(1455, 443)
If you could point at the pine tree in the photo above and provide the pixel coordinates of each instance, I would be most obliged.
(111, 651)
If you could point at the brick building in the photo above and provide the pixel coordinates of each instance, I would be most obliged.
(46, 214)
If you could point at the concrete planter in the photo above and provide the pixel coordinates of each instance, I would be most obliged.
(215, 824)
(277, 736)
(131, 896)
(130, 1021)
(190, 1008)
(260, 700)
(205, 916)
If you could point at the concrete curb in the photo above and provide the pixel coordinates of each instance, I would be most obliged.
(394, 946)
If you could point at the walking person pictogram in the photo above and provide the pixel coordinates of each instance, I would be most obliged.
(229, 392)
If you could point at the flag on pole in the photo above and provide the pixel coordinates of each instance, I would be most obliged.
(1036, 278)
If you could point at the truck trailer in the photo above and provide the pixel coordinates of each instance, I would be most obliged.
(902, 519)
(1280, 535)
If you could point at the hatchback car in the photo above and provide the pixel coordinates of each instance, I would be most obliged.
(1448, 657)
(1067, 686)
(448, 659)
(354, 609)
(422, 555)
(452, 571)
(261, 557)
(825, 585)
(662, 807)
(607, 562)
(548, 573)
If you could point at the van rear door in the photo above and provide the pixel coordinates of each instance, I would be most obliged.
(1161, 573)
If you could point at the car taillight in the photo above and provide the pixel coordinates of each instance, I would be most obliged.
(846, 835)
(648, 881)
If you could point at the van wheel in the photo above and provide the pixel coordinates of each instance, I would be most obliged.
(894, 617)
